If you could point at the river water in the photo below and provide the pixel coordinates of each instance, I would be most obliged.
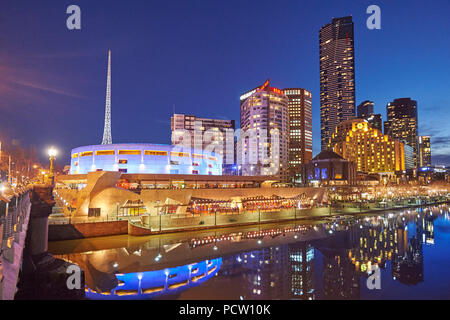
(392, 255)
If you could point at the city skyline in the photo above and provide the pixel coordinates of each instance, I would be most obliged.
(32, 81)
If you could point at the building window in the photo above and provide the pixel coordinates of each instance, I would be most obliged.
(194, 171)
(94, 212)
(86, 154)
(123, 170)
(130, 152)
(197, 156)
(104, 152)
(180, 154)
(155, 153)
(317, 173)
(123, 161)
(325, 173)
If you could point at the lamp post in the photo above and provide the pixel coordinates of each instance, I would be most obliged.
(52, 156)
(9, 163)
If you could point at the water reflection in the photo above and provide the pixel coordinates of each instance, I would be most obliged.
(153, 284)
(330, 260)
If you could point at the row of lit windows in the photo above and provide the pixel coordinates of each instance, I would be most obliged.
(138, 152)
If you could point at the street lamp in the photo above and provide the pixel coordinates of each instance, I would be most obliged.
(52, 156)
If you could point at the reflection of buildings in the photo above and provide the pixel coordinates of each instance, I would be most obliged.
(267, 275)
(428, 231)
(282, 272)
(377, 243)
(341, 280)
(373, 241)
(408, 269)
(301, 260)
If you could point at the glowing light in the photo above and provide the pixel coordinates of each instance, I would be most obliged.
(52, 152)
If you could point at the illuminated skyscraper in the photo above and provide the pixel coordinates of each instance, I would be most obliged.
(371, 151)
(213, 135)
(107, 137)
(262, 148)
(424, 151)
(337, 75)
(300, 131)
(402, 123)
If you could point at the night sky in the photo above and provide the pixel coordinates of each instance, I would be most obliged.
(197, 57)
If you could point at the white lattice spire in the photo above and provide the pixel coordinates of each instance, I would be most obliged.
(107, 138)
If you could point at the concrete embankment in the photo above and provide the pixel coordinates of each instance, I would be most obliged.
(58, 232)
(149, 225)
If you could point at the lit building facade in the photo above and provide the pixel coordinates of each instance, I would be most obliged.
(371, 151)
(300, 130)
(424, 151)
(329, 168)
(144, 158)
(337, 76)
(205, 134)
(409, 156)
(262, 147)
(402, 123)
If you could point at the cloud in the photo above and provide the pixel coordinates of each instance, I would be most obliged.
(441, 159)
(41, 87)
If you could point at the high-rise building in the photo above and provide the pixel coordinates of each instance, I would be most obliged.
(375, 121)
(300, 131)
(365, 111)
(337, 75)
(409, 156)
(424, 151)
(213, 135)
(371, 151)
(262, 148)
(402, 123)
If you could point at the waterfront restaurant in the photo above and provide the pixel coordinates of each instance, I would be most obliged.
(121, 194)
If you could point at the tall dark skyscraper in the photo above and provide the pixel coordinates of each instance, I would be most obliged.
(365, 111)
(337, 75)
(424, 151)
(402, 123)
(300, 131)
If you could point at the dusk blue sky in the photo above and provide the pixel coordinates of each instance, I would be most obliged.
(200, 55)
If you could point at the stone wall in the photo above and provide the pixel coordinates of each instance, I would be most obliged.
(87, 230)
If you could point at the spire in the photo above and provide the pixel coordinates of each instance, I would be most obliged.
(107, 138)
